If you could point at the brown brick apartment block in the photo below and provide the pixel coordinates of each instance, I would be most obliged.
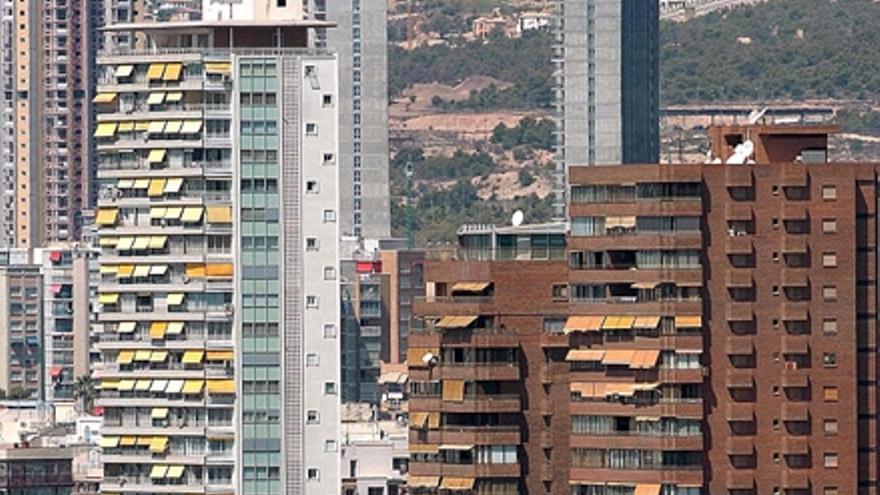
(692, 329)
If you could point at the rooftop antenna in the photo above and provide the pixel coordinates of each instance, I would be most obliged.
(517, 219)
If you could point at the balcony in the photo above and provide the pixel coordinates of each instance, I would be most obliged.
(470, 404)
(450, 305)
(740, 311)
(739, 346)
(739, 411)
(739, 176)
(795, 411)
(683, 475)
(741, 446)
(740, 278)
(636, 440)
(465, 470)
(477, 371)
(741, 244)
(736, 378)
(468, 435)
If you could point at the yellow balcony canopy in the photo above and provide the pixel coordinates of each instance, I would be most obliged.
(108, 298)
(173, 185)
(159, 413)
(124, 70)
(192, 214)
(221, 386)
(218, 67)
(172, 72)
(192, 357)
(174, 298)
(173, 126)
(191, 127)
(156, 98)
(126, 327)
(106, 129)
(174, 97)
(105, 98)
(156, 156)
(106, 216)
(125, 357)
(193, 386)
(219, 214)
(174, 328)
(155, 71)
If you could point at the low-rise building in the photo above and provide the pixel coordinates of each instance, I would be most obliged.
(374, 453)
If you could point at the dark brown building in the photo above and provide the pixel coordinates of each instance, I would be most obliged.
(703, 329)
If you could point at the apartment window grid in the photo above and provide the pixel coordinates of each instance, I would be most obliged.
(591, 80)
(356, 37)
(260, 398)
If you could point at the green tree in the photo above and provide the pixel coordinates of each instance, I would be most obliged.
(84, 393)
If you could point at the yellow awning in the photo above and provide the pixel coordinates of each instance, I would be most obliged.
(173, 97)
(418, 419)
(192, 357)
(220, 355)
(645, 359)
(618, 357)
(470, 286)
(453, 390)
(174, 299)
(108, 241)
(142, 355)
(156, 156)
(156, 127)
(158, 269)
(124, 70)
(158, 356)
(141, 184)
(107, 270)
(106, 216)
(457, 484)
(193, 386)
(105, 98)
(126, 126)
(128, 441)
(646, 322)
(422, 481)
(106, 129)
(195, 270)
(125, 385)
(155, 71)
(140, 243)
(174, 328)
(124, 183)
(156, 98)
(173, 212)
(585, 355)
(141, 125)
(173, 126)
(219, 269)
(144, 441)
(647, 489)
(126, 327)
(192, 214)
(143, 385)
(218, 67)
(125, 357)
(141, 271)
(108, 298)
(157, 329)
(456, 321)
(174, 472)
(159, 470)
(125, 243)
(108, 442)
(221, 386)
(191, 127)
(618, 322)
(433, 420)
(157, 187)
(157, 212)
(172, 72)
(158, 241)
(159, 413)
(219, 214)
(423, 448)
(583, 324)
(109, 384)
(173, 185)
(688, 321)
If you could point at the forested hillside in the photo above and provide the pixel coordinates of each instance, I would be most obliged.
(782, 49)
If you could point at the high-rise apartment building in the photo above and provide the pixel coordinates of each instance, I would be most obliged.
(607, 56)
(705, 329)
(46, 76)
(21, 314)
(361, 42)
(218, 223)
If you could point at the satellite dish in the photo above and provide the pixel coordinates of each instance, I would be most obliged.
(742, 153)
(756, 115)
(428, 358)
(518, 217)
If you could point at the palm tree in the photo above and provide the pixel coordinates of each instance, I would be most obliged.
(84, 393)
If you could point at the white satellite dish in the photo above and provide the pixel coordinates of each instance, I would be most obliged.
(742, 153)
(428, 358)
(756, 115)
(517, 219)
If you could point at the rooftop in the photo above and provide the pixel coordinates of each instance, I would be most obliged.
(217, 24)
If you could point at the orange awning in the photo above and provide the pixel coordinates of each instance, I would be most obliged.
(647, 489)
(585, 355)
(618, 357)
(583, 324)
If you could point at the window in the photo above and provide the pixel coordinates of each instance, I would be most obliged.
(329, 445)
(829, 260)
(311, 301)
(830, 426)
(829, 490)
(375, 490)
(329, 216)
(311, 244)
(830, 394)
(560, 292)
(329, 388)
(829, 226)
(329, 331)
(829, 292)
(311, 129)
(829, 360)
(329, 273)
(830, 459)
(327, 100)
(313, 474)
(829, 326)
(281, 3)
(554, 324)
(328, 159)
(312, 359)
(829, 192)
(312, 187)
